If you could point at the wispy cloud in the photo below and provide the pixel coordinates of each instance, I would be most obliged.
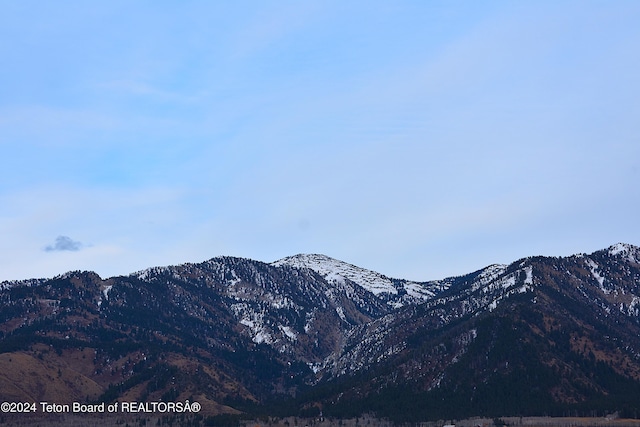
(64, 243)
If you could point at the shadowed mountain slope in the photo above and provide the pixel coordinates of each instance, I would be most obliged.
(543, 335)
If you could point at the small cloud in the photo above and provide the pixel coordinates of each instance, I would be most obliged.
(64, 243)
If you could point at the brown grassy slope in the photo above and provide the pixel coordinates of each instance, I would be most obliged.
(25, 378)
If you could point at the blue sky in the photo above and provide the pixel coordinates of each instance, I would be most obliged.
(420, 139)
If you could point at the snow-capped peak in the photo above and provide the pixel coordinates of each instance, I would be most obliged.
(630, 252)
(336, 271)
(620, 248)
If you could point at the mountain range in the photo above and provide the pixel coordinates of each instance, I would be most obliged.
(310, 334)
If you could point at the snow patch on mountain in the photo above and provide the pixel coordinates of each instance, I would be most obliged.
(488, 275)
(288, 332)
(419, 291)
(593, 267)
(507, 284)
(335, 271)
(254, 321)
(7, 284)
(105, 293)
(394, 292)
(634, 307)
(147, 273)
(625, 250)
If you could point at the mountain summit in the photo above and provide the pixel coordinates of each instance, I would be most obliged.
(394, 292)
(542, 335)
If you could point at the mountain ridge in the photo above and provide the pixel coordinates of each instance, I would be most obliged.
(614, 249)
(314, 332)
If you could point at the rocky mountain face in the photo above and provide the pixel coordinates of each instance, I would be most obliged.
(541, 336)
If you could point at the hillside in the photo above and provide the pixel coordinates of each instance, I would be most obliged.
(541, 336)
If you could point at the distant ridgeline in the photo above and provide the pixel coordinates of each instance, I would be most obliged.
(308, 333)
